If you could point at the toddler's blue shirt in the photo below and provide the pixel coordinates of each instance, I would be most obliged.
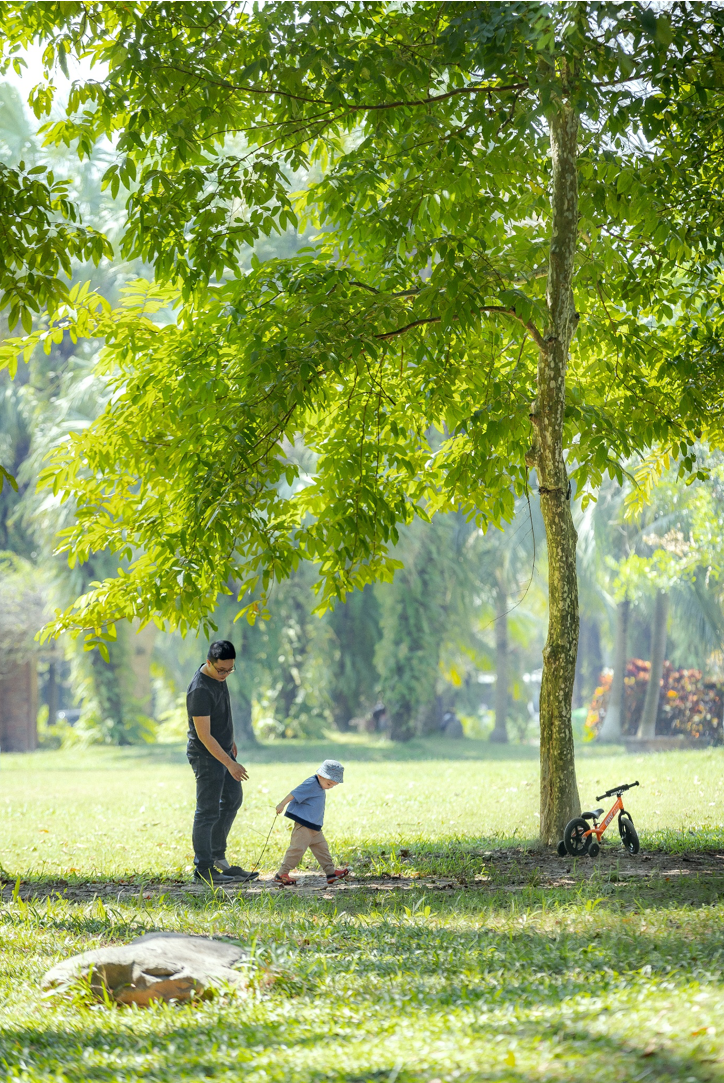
(307, 804)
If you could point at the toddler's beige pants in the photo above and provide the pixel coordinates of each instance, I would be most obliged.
(303, 839)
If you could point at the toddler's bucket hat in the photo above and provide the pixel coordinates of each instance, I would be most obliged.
(333, 770)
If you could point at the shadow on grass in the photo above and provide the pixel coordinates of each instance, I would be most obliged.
(188, 1052)
(97, 904)
(379, 751)
(552, 997)
(345, 748)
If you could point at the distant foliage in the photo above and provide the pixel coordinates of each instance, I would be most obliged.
(352, 675)
(413, 618)
(22, 609)
(688, 704)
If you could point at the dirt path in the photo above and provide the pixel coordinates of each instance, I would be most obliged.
(504, 869)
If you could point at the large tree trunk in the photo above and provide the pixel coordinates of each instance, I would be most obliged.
(647, 725)
(559, 800)
(500, 732)
(401, 721)
(341, 713)
(243, 730)
(111, 687)
(611, 728)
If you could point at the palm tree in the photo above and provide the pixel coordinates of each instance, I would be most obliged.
(506, 562)
(605, 538)
(661, 556)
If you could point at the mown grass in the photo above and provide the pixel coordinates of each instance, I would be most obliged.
(127, 812)
(610, 982)
(607, 980)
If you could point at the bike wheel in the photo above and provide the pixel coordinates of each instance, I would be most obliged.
(629, 835)
(573, 837)
(594, 848)
(562, 852)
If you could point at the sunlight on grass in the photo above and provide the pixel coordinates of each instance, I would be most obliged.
(602, 979)
(119, 812)
(445, 988)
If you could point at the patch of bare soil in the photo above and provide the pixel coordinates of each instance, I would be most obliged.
(504, 869)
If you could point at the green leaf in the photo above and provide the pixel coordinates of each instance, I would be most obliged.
(6, 476)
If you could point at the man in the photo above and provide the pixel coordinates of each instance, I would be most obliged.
(211, 751)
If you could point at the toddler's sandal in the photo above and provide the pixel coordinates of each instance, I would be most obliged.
(338, 874)
(285, 880)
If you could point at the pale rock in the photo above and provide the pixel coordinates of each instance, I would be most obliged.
(157, 966)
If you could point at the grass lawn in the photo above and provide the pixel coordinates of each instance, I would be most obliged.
(601, 979)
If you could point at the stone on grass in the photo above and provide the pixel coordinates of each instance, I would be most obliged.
(157, 966)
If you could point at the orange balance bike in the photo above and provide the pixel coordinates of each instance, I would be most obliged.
(581, 838)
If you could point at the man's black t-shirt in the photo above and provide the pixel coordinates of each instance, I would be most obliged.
(205, 696)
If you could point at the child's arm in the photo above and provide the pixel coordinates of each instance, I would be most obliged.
(283, 804)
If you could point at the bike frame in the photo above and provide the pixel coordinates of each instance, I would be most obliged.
(598, 830)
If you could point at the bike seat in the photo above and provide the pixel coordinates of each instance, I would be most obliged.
(593, 815)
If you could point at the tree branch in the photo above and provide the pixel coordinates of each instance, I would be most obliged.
(527, 324)
(431, 99)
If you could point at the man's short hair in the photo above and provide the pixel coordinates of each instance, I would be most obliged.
(221, 650)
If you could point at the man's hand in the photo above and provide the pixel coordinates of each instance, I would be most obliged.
(280, 808)
(237, 771)
(202, 724)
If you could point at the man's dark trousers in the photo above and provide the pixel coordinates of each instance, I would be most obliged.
(218, 799)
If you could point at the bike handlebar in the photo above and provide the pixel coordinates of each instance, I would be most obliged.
(617, 790)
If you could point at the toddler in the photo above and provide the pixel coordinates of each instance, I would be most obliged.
(306, 807)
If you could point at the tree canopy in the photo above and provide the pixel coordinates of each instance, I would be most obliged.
(403, 342)
(502, 275)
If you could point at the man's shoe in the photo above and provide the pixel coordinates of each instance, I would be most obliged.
(237, 873)
(212, 877)
(234, 871)
(338, 874)
(285, 879)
